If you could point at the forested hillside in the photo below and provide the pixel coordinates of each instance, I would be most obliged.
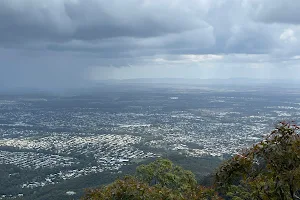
(268, 170)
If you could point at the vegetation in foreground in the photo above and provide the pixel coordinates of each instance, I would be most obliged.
(160, 179)
(268, 170)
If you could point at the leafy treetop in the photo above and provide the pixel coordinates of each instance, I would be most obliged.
(268, 170)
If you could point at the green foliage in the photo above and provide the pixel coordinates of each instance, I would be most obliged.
(268, 170)
(130, 188)
(160, 179)
(164, 173)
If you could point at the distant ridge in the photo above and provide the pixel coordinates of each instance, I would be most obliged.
(123, 83)
(238, 80)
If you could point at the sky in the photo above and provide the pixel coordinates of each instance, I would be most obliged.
(69, 43)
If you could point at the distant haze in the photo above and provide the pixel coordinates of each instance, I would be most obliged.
(55, 44)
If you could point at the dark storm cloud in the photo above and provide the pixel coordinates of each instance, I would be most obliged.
(57, 42)
(64, 20)
(96, 19)
(114, 27)
(276, 11)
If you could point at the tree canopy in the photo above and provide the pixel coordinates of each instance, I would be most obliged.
(269, 169)
(160, 179)
(163, 172)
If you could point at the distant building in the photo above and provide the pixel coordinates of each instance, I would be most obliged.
(70, 193)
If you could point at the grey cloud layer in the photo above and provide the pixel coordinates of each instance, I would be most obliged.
(276, 11)
(196, 26)
(45, 40)
(93, 19)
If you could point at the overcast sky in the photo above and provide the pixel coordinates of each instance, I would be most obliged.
(64, 43)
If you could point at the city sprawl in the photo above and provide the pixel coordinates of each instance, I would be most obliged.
(66, 137)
